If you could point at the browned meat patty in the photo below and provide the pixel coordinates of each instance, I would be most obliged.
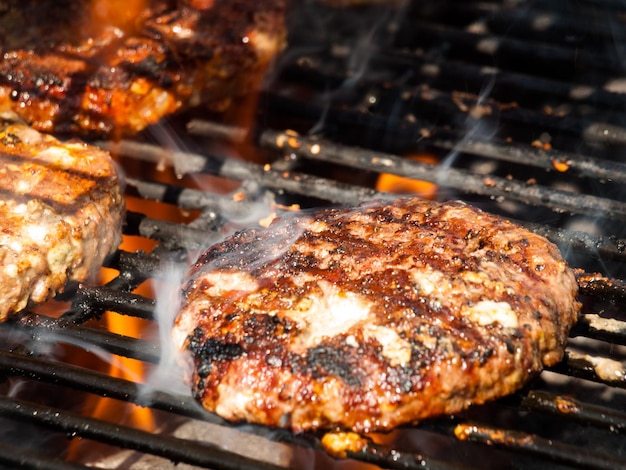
(61, 213)
(370, 317)
(97, 67)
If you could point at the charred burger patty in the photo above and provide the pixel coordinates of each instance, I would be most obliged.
(61, 213)
(370, 317)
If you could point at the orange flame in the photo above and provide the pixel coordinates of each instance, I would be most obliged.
(128, 369)
(402, 185)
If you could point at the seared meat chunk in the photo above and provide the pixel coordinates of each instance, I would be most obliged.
(371, 317)
(100, 68)
(61, 213)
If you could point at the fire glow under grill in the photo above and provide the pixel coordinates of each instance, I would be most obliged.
(520, 104)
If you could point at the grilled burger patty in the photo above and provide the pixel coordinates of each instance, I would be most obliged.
(370, 317)
(69, 67)
(61, 213)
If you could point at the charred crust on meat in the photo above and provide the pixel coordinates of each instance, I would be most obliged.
(510, 347)
(207, 351)
(195, 339)
(149, 67)
(214, 350)
(325, 361)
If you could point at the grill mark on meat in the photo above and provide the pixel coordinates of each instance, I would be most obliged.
(57, 168)
(366, 318)
(324, 361)
(61, 212)
(52, 189)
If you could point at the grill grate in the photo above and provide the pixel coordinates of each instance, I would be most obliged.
(521, 103)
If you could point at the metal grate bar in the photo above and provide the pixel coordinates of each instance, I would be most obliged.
(604, 329)
(594, 368)
(602, 287)
(297, 183)
(558, 405)
(175, 449)
(172, 235)
(110, 299)
(124, 261)
(438, 102)
(394, 459)
(187, 198)
(101, 384)
(91, 339)
(22, 459)
(492, 47)
(318, 149)
(536, 446)
(533, 156)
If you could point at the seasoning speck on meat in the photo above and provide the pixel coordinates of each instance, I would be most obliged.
(371, 317)
(61, 213)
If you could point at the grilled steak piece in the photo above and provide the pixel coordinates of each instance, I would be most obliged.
(370, 317)
(68, 67)
(61, 212)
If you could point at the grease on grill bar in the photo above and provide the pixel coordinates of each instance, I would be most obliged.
(576, 410)
(535, 446)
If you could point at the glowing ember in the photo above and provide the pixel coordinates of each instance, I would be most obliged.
(541, 144)
(560, 165)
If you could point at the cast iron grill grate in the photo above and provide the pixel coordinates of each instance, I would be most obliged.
(521, 106)
(91, 300)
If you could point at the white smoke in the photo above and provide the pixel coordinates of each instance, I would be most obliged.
(474, 129)
(167, 375)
